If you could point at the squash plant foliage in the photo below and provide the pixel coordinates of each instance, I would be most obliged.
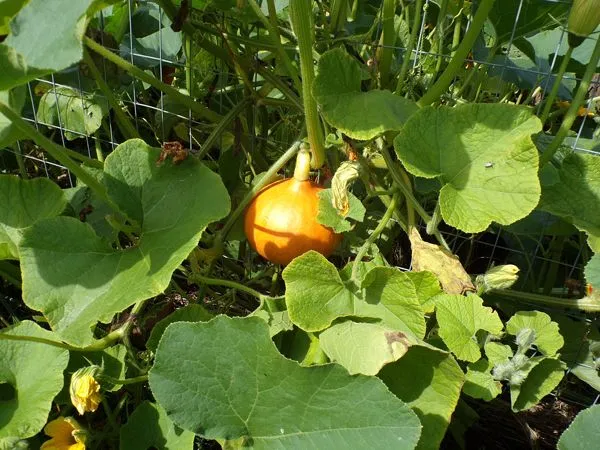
(136, 288)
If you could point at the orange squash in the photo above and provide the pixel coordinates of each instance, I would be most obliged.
(281, 221)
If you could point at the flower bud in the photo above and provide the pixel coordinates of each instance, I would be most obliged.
(85, 390)
(584, 18)
(499, 277)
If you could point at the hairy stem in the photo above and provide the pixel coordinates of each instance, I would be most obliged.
(556, 86)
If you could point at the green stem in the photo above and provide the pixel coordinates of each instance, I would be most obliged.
(587, 304)
(574, 108)
(439, 47)
(59, 153)
(283, 88)
(227, 283)
(98, 148)
(266, 179)
(457, 29)
(436, 218)
(173, 93)
(455, 65)
(416, 25)
(187, 48)
(133, 380)
(556, 86)
(374, 235)
(339, 12)
(123, 122)
(271, 27)
(387, 41)
(20, 162)
(302, 23)
(221, 126)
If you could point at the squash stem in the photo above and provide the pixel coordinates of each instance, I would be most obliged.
(302, 169)
(226, 283)
(556, 86)
(440, 86)
(373, 237)
(411, 45)
(302, 23)
(574, 108)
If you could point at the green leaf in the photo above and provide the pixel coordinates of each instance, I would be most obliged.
(498, 353)
(31, 374)
(8, 9)
(547, 337)
(111, 359)
(360, 115)
(316, 296)
(483, 155)
(480, 383)
(91, 209)
(274, 313)
(23, 203)
(533, 16)
(543, 375)
(149, 426)
(233, 383)
(15, 99)
(583, 431)
(427, 287)
(78, 114)
(190, 313)
(76, 278)
(363, 347)
(592, 271)
(460, 318)
(430, 381)
(332, 218)
(573, 193)
(39, 46)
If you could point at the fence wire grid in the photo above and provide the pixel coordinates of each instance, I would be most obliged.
(88, 145)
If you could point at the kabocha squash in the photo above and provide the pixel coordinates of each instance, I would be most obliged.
(281, 221)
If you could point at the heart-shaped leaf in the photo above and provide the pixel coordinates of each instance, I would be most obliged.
(230, 382)
(76, 278)
(360, 115)
(547, 337)
(483, 155)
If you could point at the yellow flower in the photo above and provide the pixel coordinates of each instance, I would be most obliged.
(66, 434)
(85, 390)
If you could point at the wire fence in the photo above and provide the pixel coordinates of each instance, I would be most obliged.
(534, 253)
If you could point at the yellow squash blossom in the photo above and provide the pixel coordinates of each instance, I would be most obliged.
(66, 434)
(85, 390)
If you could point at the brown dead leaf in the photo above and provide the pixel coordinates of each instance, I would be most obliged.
(446, 266)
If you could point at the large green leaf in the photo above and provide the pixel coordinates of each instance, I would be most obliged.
(190, 313)
(592, 271)
(573, 192)
(23, 203)
(547, 337)
(35, 372)
(430, 381)
(230, 382)
(15, 98)
(316, 295)
(583, 431)
(77, 113)
(460, 318)
(360, 115)
(150, 427)
(76, 278)
(45, 37)
(513, 19)
(8, 9)
(483, 155)
(363, 347)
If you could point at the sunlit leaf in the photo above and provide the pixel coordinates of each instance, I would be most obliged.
(547, 337)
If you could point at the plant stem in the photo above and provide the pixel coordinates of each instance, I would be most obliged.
(373, 237)
(266, 179)
(457, 29)
(556, 86)
(221, 126)
(59, 153)
(227, 283)
(177, 96)
(123, 122)
(574, 108)
(315, 354)
(283, 88)
(271, 27)
(387, 41)
(339, 12)
(439, 48)
(584, 304)
(302, 23)
(441, 85)
(133, 380)
(411, 45)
